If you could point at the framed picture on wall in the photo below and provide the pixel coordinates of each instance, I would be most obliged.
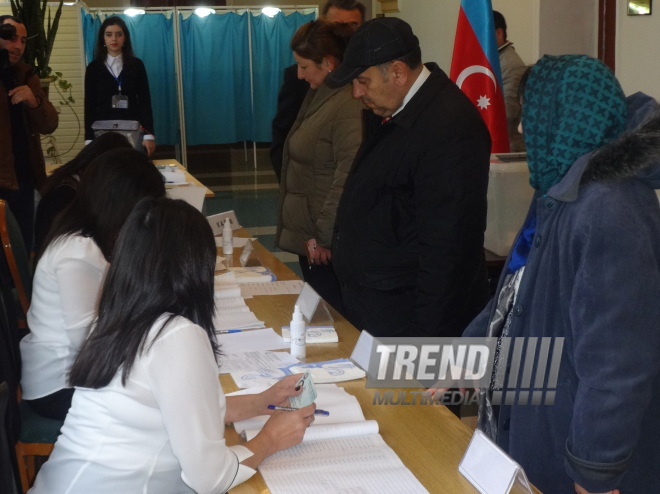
(639, 7)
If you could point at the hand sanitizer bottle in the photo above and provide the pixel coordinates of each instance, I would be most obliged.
(298, 335)
(227, 238)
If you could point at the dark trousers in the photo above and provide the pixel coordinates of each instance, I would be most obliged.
(55, 405)
(21, 204)
(380, 312)
(323, 279)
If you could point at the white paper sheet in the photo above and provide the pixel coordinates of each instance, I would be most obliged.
(242, 320)
(251, 340)
(287, 287)
(258, 359)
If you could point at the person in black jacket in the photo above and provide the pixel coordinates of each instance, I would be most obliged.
(408, 242)
(116, 84)
(294, 88)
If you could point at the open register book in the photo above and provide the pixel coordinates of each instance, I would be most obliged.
(341, 452)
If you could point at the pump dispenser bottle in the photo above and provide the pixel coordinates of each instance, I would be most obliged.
(297, 328)
(227, 238)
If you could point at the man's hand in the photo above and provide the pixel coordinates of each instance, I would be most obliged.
(23, 94)
(582, 490)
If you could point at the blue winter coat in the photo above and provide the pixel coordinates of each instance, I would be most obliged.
(593, 277)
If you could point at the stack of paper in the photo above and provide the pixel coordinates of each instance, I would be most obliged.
(251, 340)
(342, 452)
(231, 311)
(253, 274)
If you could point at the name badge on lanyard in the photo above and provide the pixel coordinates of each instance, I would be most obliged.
(118, 100)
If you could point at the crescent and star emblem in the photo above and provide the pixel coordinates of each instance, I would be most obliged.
(483, 101)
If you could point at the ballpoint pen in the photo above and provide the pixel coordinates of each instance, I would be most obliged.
(289, 409)
(227, 331)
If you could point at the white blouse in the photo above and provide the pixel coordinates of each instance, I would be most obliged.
(65, 294)
(162, 433)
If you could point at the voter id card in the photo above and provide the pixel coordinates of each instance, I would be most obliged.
(308, 394)
(120, 101)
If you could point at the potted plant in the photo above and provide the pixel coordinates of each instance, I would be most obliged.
(41, 34)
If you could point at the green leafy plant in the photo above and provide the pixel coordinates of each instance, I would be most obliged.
(64, 91)
(41, 29)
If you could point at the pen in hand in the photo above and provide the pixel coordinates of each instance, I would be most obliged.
(289, 409)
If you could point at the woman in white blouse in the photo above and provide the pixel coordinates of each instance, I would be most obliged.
(148, 413)
(70, 271)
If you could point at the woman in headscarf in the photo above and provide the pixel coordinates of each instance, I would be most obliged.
(585, 270)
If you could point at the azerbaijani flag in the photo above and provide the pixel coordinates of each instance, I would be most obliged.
(475, 68)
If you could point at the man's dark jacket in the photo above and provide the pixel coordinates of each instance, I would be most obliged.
(289, 100)
(413, 213)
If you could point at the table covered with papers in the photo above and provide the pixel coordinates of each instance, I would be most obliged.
(428, 439)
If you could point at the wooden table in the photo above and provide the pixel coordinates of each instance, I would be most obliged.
(429, 439)
(50, 168)
(189, 178)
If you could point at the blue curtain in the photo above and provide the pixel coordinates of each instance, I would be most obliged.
(215, 56)
(216, 79)
(152, 40)
(271, 54)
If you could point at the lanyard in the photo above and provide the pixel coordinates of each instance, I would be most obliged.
(116, 78)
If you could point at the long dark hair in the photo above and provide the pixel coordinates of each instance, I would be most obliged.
(109, 189)
(100, 51)
(104, 142)
(164, 263)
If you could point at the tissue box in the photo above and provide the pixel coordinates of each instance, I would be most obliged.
(509, 197)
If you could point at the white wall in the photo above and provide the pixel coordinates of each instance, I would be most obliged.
(568, 26)
(637, 63)
(535, 26)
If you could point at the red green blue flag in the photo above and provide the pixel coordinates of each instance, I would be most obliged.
(475, 68)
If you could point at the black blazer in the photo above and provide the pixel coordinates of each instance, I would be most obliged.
(101, 86)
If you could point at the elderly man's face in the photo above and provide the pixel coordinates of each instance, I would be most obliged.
(16, 45)
(351, 17)
(378, 91)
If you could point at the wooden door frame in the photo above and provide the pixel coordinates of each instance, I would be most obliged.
(607, 32)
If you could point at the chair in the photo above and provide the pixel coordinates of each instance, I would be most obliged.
(17, 260)
(36, 434)
(7, 462)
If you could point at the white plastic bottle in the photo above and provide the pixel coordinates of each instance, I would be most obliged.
(298, 335)
(227, 238)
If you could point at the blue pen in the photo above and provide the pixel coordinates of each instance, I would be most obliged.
(227, 331)
(289, 409)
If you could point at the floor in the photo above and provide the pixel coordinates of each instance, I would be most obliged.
(230, 172)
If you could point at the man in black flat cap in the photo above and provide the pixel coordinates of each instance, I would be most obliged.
(408, 244)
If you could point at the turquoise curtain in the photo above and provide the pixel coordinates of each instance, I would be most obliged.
(271, 54)
(153, 43)
(216, 79)
(215, 57)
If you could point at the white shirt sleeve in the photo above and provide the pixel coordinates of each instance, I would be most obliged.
(183, 376)
(79, 278)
